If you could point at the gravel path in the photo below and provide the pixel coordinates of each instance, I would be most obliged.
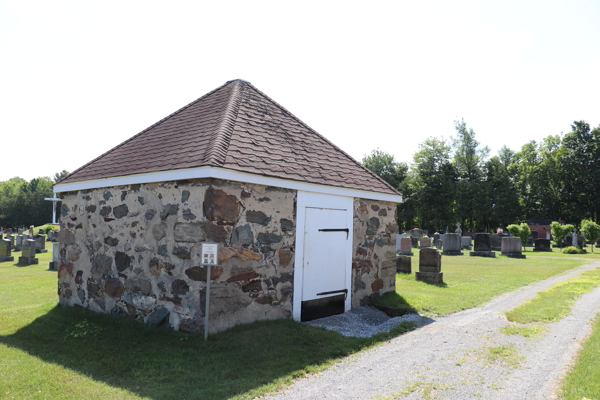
(446, 358)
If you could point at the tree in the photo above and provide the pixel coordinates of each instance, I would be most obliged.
(580, 163)
(59, 175)
(591, 231)
(559, 232)
(521, 231)
(432, 184)
(384, 166)
(468, 162)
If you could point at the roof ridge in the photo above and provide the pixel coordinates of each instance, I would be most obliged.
(148, 128)
(217, 150)
(323, 137)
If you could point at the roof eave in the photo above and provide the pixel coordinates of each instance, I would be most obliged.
(226, 174)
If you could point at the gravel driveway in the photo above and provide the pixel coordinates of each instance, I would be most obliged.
(447, 357)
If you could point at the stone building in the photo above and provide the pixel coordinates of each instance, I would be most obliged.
(304, 230)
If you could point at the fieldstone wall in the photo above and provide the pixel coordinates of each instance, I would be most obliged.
(374, 249)
(134, 251)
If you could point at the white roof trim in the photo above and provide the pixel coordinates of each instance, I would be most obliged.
(227, 174)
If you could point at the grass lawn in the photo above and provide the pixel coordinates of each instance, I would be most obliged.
(555, 303)
(472, 281)
(583, 381)
(50, 352)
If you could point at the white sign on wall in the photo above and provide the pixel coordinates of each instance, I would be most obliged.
(210, 254)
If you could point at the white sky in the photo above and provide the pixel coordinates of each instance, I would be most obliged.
(77, 78)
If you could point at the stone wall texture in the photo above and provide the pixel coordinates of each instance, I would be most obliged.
(133, 251)
(374, 249)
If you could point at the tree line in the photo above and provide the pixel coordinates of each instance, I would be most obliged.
(456, 180)
(22, 203)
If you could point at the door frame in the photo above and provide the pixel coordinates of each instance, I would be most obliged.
(319, 200)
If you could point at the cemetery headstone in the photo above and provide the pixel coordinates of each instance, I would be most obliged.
(465, 242)
(414, 242)
(40, 244)
(438, 243)
(511, 247)
(5, 251)
(581, 242)
(424, 243)
(496, 242)
(53, 265)
(28, 255)
(535, 235)
(483, 246)
(398, 238)
(430, 266)
(542, 245)
(406, 246)
(41, 232)
(18, 243)
(452, 246)
(569, 240)
(436, 236)
(21, 231)
(458, 230)
(404, 264)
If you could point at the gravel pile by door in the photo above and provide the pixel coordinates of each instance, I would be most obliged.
(365, 322)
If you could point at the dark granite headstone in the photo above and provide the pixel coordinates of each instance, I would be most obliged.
(496, 242)
(40, 244)
(404, 264)
(414, 242)
(482, 246)
(581, 242)
(542, 245)
(569, 240)
(430, 266)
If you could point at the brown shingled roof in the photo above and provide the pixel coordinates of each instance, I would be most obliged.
(239, 128)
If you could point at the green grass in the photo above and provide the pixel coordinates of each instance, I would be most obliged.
(506, 354)
(526, 331)
(473, 281)
(50, 352)
(556, 302)
(583, 381)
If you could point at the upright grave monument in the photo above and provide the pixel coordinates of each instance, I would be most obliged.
(452, 246)
(542, 245)
(511, 247)
(496, 242)
(482, 246)
(424, 243)
(53, 265)
(40, 244)
(5, 251)
(404, 264)
(430, 266)
(28, 255)
(465, 242)
(406, 246)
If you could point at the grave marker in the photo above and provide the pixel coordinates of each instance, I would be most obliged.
(406, 246)
(482, 246)
(465, 242)
(53, 265)
(404, 264)
(28, 255)
(452, 246)
(511, 247)
(430, 266)
(542, 245)
(5, 251)
(40, 244)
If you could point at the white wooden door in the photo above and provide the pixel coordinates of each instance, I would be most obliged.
(326, 234)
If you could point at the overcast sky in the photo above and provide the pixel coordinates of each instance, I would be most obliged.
(78, 78)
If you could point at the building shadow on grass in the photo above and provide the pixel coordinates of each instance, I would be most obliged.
(161, 364)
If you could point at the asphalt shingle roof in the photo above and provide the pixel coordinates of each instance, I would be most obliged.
(239, 128)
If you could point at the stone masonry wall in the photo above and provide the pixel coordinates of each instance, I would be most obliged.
(374, 249)
(134, 251)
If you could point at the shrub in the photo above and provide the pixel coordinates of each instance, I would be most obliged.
(559, 232)
(573, 250)
(590, 231)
